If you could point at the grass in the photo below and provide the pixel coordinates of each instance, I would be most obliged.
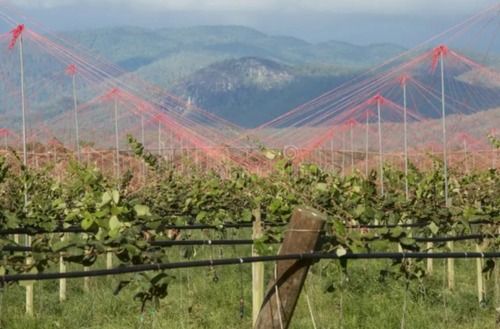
(196, 301)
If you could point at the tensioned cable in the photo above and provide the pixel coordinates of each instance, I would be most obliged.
(78, 229)
(243, 242)
(307, 257)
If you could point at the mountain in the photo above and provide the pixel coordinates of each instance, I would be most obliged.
(167, 55)
(239, 73)
(252, 90)
(242, 74)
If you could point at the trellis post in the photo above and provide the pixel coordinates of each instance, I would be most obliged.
(302, 236)
(257, 268)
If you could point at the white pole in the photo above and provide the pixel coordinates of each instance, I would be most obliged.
(320, 150)
(109, 254)
(381, 159)
(62, 282)
(466, 164)
(493, 161)
(23, 105)
(445, 155)
(352, 148)
(366, 144)
(343, 153)
(494, 155)
(332, 157)
(77, 132)
(29, 287)
(450, 262)
(407, 194)
(159, 137)
(182, 155)
(117, 139)
(143, 169)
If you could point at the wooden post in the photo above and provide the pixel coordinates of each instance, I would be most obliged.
(257, 270)
(86, 280)
(283, 292)
(29, 286)
(62, 282)
(481, 293)
(497, 284)
(496, 277)
(450, 267)
(430, 267)
(109, 260)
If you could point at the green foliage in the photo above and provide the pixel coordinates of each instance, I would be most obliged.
(124, 220)
(495, 141)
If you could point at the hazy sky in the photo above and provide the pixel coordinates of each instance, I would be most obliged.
(364, 6)
(360, 21)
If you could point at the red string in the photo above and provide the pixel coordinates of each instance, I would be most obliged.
(16, 34)
(71, 70)
(439, 51)
(377, 99)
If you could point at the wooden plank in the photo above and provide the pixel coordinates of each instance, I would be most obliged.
(302, 236)
(257, 270)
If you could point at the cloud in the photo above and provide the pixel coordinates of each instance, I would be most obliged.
(365, 6)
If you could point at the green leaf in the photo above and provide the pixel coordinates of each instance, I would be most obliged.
(407, 242)
(201, 215)
(114, 233)
(397, 232)
(322, 187)
(61, 246)
(246, 216)
(359, 210)
(106, 198)
(87, 222)
(340, 251)
(101, 234)
(116, 196)
(115, 224)
(434, 228)
(142, 211)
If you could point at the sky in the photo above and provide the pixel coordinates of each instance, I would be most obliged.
(364, 6)
(404, 22)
